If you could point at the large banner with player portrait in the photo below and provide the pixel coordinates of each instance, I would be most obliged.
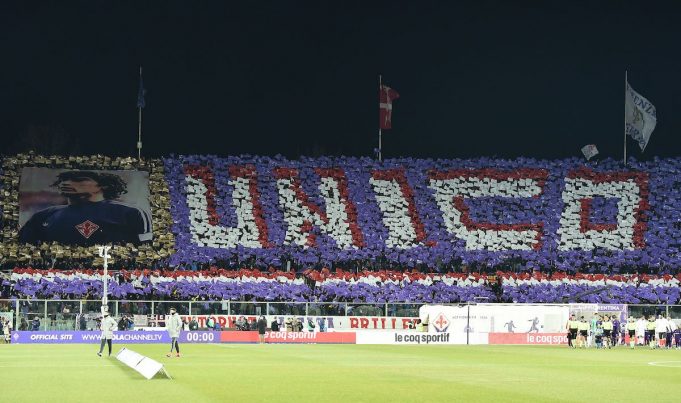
(84, 207)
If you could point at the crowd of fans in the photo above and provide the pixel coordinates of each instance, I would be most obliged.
(346, 230)
(374, 287)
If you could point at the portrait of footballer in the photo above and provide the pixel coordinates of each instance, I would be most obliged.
(83, 207)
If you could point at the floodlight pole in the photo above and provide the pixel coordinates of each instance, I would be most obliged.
(104, 253)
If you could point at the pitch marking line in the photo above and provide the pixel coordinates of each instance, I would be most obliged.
(667, 364)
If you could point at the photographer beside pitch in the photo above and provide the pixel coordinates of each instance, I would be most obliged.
(174, 325)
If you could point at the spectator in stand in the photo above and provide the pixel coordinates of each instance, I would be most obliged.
(274, 326)
(193, 324)
(123, 323)
(241, 323)
(35, 324)
(262, 327)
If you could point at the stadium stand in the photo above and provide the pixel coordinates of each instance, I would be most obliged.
(353, 229)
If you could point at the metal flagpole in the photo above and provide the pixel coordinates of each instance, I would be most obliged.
(380, 145)
(625, 118)
(139, 122)
(104, 253)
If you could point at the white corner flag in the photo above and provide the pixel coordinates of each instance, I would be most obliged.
(589, 151)
(640, 117)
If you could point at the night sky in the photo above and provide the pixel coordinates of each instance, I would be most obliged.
(477, 78)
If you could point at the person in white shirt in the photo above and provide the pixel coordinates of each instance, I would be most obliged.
(173, 326)
(641, 330)
(660, 330)
(108, 327)
(671, 328)
(7, 329)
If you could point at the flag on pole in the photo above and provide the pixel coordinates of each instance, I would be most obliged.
(589, 151)
(640, 117)
(386, 97)
(140, 93)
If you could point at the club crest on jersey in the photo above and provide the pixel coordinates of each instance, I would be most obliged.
(87, 228)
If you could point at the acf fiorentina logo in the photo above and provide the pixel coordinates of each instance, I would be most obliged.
(441, 322)
(87, 228)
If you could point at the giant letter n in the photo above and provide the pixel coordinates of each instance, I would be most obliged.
(339, 221)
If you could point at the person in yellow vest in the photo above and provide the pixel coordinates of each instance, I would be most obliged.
(650, 331)
(572, 328)
(583, 332)
(631, 330)
(607, 331)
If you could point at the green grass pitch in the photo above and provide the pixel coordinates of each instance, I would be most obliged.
(349, 373)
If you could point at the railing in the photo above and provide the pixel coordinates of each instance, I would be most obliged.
(81, 314)
(66, 314)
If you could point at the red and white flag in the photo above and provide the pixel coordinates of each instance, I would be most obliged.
(386, 97)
